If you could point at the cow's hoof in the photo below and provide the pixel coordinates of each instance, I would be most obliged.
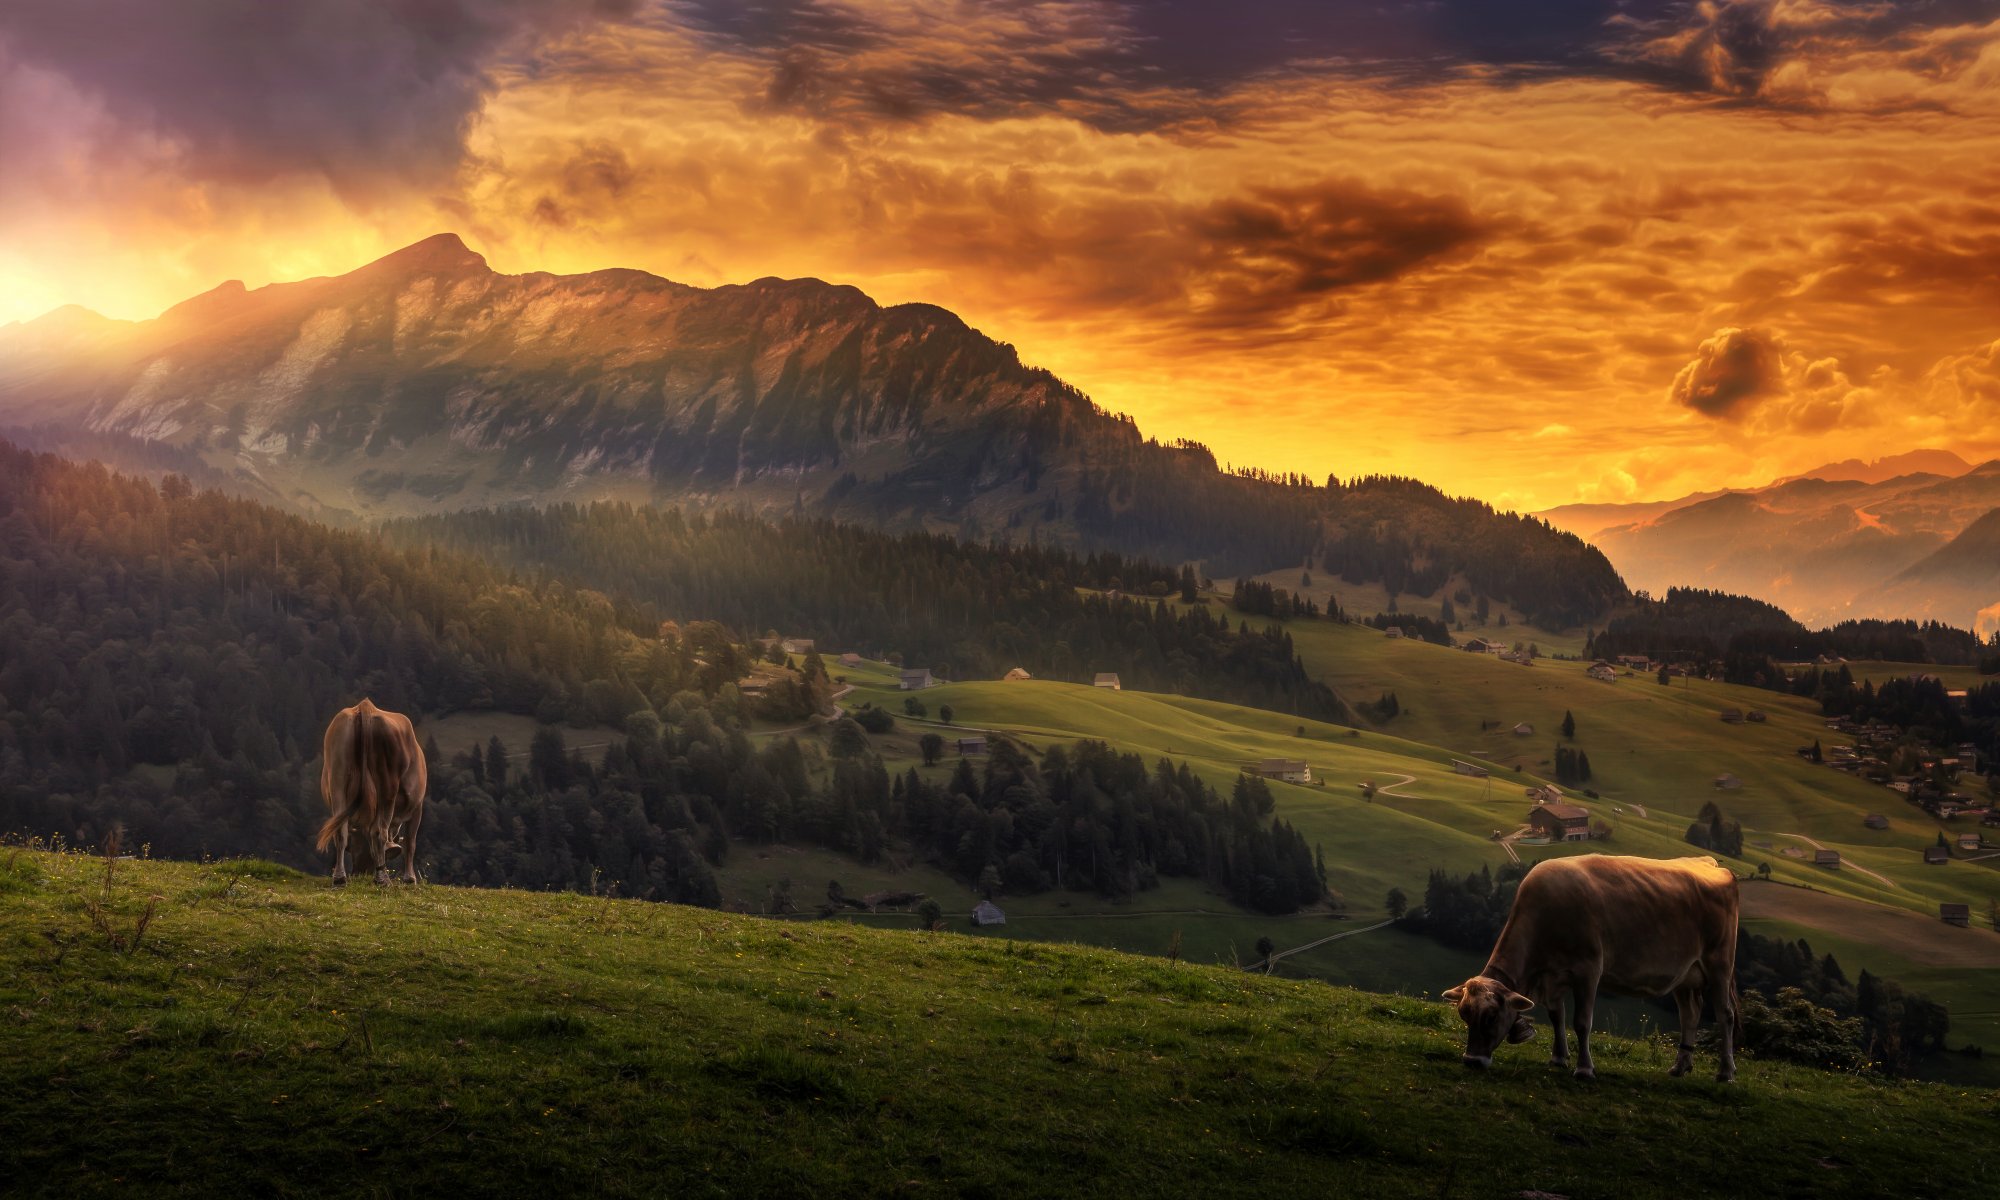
(1680, 1069)
(1725, 1077)
(1587, 1074)
(1561, 1063)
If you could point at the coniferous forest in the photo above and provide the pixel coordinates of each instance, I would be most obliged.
(964, 610)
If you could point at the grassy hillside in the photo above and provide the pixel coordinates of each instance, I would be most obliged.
(271, 1035)
(1654, 753)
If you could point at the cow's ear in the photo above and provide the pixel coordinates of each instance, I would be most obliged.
(1454, 995)
(1519, 1003)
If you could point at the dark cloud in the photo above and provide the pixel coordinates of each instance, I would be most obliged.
(1145, 63)
(1732, 372)
(1257, 258)
(365, 93)
(1736, 47)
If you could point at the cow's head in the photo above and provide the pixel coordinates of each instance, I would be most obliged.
(1493, 1013)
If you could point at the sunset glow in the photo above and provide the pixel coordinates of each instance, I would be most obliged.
(1640, 251)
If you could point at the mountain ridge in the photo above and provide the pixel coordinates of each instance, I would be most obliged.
(426, 382)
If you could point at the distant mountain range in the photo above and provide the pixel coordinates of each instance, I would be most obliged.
(426, 382)
(1847, 540)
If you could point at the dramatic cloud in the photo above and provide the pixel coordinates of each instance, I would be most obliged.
(1968, 384)
(1731, 372)
(1283, 227)
(362, 93)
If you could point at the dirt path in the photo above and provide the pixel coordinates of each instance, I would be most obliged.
(1844, 862)
(1401, 782)
(1282, 955)
(1923, 940)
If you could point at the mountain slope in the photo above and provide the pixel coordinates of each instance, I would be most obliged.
(1879, 470)
(426, 382)
(509, 1043)
(1959, 582)
(1822, 549)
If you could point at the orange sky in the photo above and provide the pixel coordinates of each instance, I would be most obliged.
(1682, 265)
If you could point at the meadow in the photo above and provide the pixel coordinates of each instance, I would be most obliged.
(179, 1028)
(1655, 752)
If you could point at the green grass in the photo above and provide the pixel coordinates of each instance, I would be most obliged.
(1660, 748)
(1653, 749)
(273, 1036)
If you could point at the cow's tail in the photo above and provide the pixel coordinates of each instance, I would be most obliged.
(333, 813)
(327, 831)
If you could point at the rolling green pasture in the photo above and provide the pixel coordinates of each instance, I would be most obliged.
(268, 1034)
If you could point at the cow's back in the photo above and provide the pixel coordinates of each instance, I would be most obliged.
(371, 767)
(1646, 920)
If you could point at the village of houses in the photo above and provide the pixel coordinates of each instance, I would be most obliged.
(1928, 780)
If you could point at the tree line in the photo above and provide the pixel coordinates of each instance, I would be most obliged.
(965, 610)
(1702, 625)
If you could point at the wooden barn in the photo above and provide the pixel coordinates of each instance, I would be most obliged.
(1561, 822)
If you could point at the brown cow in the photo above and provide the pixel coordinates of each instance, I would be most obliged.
(373, 779)
(1632, 926)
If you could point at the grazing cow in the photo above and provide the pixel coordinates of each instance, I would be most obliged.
(373, 779)
(1632, 926)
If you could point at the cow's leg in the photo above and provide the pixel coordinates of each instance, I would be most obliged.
(1722, 998)
(340, 857)
(1688, 1001)
(1586, 1006)
(1559, 1054)
(410, 845)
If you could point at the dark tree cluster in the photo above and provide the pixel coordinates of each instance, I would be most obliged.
(965, 610)
(1266, 600)
(1750, 637)
(1383, 708)
(1468, 912)
(1414, 539)
(1086, 818)
(1689, 624)
(1891, 1027)
(1172, 503)
(1572, 766)
(1428, 629)
(1711, 830)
